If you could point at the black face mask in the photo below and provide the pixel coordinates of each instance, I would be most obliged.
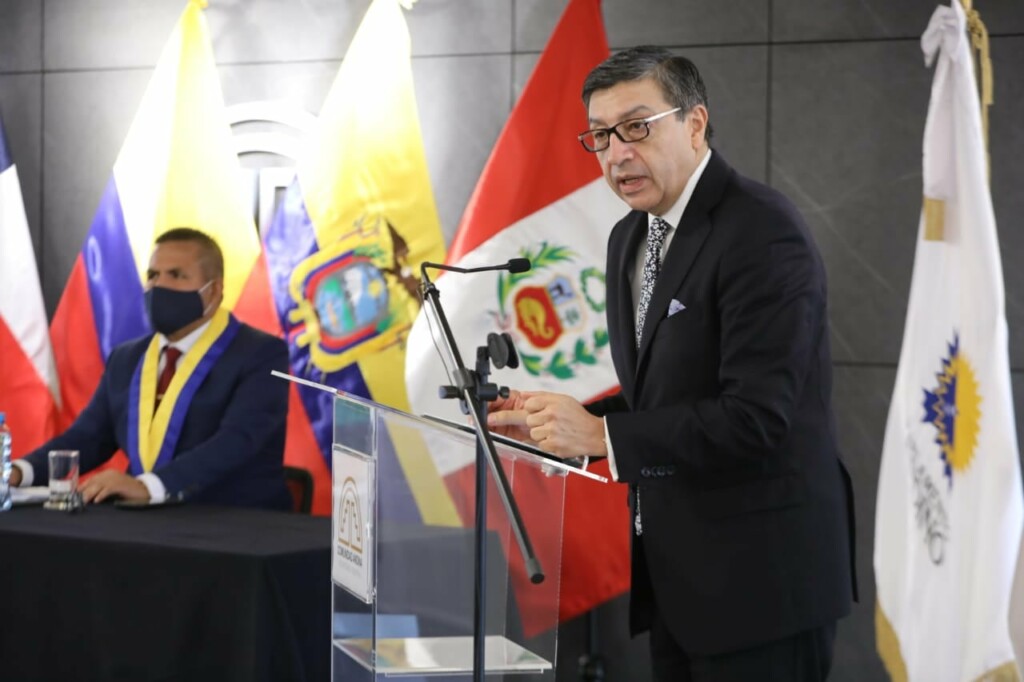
(170, 310)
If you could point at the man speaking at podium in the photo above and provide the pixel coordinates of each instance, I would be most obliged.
(194, 406)
(723, 428)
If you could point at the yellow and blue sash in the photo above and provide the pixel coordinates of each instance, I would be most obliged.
(153, 436)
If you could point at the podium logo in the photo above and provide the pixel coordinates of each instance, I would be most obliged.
(555, 312)
(350, 524)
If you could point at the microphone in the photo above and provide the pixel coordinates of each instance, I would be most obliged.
(514, 265)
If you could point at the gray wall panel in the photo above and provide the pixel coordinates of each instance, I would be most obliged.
(534, 22)
(460, 129)
(21, 35)
(802, 20)
(260, 30)
(860, 398)
(1007, 151)
(637, 22)
(302, 85)
(21, 101)
(847, 122)
(102, 34)
(274, 31)
(737, 85)
(450, 27)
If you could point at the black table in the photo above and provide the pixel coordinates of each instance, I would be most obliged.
(177, 593)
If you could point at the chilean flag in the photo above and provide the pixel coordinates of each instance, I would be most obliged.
(27, 374)
(541, 196)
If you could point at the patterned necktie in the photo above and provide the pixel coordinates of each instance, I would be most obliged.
(652, 266)
(171, 355)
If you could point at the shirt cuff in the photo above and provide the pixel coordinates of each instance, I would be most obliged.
(611, 453)
(28, 474)
(157, 491)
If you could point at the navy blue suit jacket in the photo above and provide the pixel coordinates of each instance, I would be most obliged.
(725, 423)
(231, 447)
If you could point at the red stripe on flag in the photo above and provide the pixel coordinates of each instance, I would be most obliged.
(25, 398)
(256, 307)
(537, 159)
(595, 541)
(76, 349)
(595, 545)
(302, 450)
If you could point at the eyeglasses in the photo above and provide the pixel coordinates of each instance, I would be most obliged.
(632, 130)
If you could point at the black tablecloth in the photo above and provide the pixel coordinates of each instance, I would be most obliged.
(177, 593)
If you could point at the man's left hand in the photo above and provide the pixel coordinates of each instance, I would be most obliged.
(107, 484)
(562, 426)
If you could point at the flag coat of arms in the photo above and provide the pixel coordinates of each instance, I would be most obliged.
(542, 197)
(949, 514)
(28, 385)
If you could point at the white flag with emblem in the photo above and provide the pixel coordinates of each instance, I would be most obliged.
(949, 514)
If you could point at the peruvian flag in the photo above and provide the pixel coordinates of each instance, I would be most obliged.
(27, 375)
(541, 196)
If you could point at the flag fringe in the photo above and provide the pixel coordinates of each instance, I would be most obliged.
(1007, 672)
(888, 645)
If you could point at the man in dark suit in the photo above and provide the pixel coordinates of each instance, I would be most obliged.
(741, 553)
(194, 406)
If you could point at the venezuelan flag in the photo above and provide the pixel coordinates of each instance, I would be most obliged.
(175, 168)
(344, 247)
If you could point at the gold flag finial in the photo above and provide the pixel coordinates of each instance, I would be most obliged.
(979, 41)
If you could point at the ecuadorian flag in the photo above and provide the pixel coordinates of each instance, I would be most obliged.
(345, 245)
(176, 168)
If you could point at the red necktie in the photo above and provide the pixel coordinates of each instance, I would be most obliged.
(171, 355)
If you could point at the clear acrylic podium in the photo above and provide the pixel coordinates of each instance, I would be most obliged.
(403, 552)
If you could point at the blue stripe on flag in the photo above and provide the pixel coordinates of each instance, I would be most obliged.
(6, 161)
(290, 240)
(114, 287)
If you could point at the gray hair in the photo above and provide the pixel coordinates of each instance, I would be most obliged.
(678, 77)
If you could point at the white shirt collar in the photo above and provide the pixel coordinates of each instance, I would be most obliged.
(674, 215)
(185, 344)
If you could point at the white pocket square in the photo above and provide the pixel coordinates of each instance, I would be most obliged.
(675, 307)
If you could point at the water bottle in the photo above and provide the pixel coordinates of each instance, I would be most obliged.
(5, 463)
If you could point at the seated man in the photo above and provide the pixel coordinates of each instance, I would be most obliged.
(194, 406)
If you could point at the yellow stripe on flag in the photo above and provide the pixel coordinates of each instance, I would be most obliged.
(177, 167)
(366, 186)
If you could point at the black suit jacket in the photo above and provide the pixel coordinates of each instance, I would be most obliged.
(231, 446)
(724, 423)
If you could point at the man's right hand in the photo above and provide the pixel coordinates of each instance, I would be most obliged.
(15, 479)
(507, 416)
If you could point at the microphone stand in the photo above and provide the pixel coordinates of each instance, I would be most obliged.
(472, 388)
